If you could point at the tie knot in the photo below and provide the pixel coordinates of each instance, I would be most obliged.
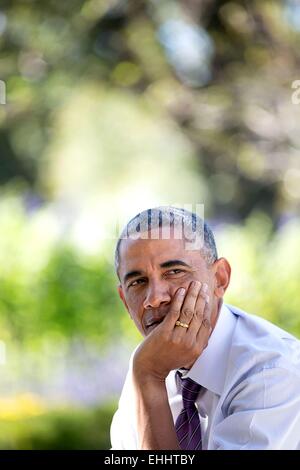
(189, 390)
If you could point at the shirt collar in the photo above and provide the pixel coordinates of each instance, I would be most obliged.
(209, 370)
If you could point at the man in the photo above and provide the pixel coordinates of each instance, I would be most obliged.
(207, 375)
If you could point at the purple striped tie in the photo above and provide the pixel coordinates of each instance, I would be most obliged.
(187, 425)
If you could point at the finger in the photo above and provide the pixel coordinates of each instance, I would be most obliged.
(200, 311)
(200, 304)
(187, 310)
(205, 328)
(175, 307)
(188, 307)
(206, 322)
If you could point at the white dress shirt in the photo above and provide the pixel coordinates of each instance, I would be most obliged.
(250, 374)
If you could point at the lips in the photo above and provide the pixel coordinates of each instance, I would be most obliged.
(154, 319)
(151, 325)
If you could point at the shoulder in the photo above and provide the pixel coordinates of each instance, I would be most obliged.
(258, 344)
(263, 367)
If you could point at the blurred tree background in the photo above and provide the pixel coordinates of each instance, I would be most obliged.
(111, 107)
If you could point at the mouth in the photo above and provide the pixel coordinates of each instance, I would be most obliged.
(151, 326)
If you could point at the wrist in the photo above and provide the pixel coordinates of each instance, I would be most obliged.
(147, 378)
(145, 372)
(150, 391)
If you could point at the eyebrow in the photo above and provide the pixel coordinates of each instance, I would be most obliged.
(174, 262)
(167, 264)
(131, 274)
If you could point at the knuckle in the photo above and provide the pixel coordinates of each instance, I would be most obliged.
(206, 323)
(188, 312)
(175, 340)
(190, 344)
(199, 314)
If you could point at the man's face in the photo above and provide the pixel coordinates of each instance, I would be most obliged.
(151, 271)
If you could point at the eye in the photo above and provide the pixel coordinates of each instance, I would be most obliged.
(175, 271)
(137, 282)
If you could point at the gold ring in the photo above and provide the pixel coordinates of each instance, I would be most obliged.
(179, 323)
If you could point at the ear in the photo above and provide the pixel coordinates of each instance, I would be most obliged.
(222, 276)
(122, 296)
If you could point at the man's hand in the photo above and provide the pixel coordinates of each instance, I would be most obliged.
(169, 346)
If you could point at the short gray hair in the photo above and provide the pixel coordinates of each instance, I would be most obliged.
(156, 218)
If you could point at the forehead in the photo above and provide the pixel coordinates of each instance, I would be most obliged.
(139, 254)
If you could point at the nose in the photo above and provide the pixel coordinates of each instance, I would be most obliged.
(157, 295)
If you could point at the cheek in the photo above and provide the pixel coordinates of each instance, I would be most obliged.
(182, 280)
(133, 297)
(135, 304)
(185, 281)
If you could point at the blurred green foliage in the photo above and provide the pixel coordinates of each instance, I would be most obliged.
(239, 119)
(59, 293)
(60, 429)
(265, 269)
